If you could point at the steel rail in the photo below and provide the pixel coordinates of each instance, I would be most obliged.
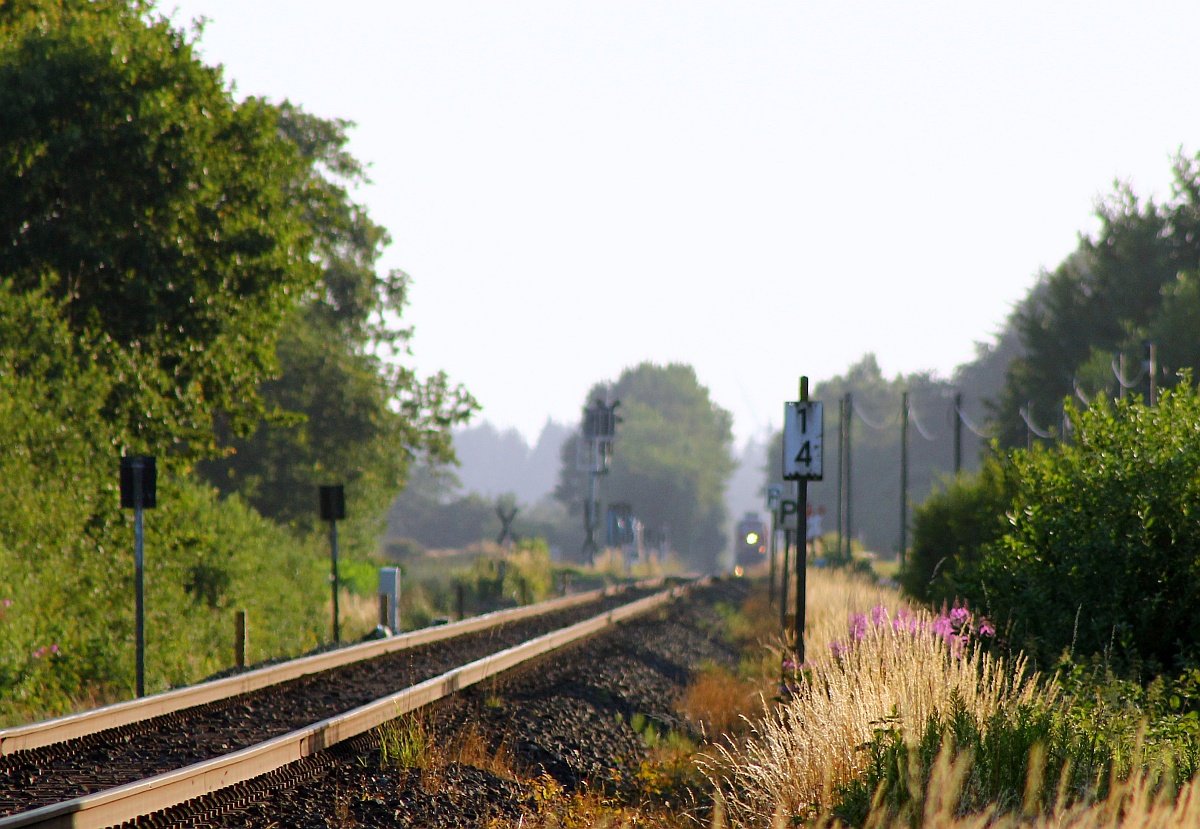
(61, 729)
(118, 805)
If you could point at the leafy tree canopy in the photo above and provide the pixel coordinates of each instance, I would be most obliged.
(210, 256)
(1128, 284)
(357, 418)
(159, 212)
(673, 458)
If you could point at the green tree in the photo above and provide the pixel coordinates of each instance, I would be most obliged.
(158, 211)
(343, 413)
(1118, 289)
(672, 460)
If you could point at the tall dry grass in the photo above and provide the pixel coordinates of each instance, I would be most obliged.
(1140, 802)
(894, 674)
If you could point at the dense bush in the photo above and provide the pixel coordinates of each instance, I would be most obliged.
(66, 547)
(1103, 550)
(951, 530)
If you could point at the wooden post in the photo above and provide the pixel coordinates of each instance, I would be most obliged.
(957, 433)
(1153, 374)
(385, 608)
(239, 639)
(849, 552)
(771, 553)
(903, 476)
(783, 580)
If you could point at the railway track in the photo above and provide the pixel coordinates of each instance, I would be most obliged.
(113, 765)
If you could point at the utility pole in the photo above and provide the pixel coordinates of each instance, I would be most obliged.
(774, 497)
(903, 475)
(849, 477)
(957, 432)
(841, 457)
(783, 581)
(1152, 368)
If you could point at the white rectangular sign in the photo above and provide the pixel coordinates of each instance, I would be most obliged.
(802, 432)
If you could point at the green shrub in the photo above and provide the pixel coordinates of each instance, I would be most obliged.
(1103, 552)
(66, 547)
(952, 529)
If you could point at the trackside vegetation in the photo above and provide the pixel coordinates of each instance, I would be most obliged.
(1085, 548)
(182, 274)
(1054, 680)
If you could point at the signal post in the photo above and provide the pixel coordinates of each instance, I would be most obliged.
(802, 438)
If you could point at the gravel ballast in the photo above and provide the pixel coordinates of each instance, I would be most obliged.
(561, 724)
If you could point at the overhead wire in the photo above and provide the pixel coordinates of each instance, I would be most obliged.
(1044, 434)
(971, 427)
(878, 427)
(916, 421)
(1129, 384)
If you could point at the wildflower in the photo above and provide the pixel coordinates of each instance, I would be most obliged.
(53, 649)
(986, 629)
(959, 616)
(789, 665)
(942, 627)
(6, 603)
(839, 650)
(858, 626)
(879, 615)
(39, 653)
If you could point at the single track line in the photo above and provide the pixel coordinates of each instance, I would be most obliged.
(61, 729)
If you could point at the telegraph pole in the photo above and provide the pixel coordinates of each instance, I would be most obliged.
(903, 475)
(783, 581)
(1152, 368)
(957, 432)
(841, 458)
(849, 477)
(774, 497)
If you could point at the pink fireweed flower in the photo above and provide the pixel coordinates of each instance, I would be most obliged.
(838, 649)
(942, 627)
(985, 628)
(879, 615)
(858, 626)
(959, 616)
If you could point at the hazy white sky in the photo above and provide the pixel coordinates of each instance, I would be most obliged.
(760, 189)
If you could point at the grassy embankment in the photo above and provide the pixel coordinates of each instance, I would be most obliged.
(67, 621)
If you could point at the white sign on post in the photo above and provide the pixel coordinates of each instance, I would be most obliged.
(802, 432)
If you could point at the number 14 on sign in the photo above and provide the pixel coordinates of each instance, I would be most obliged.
(802, 432)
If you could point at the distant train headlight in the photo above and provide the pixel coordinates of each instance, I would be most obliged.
(751, 538)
